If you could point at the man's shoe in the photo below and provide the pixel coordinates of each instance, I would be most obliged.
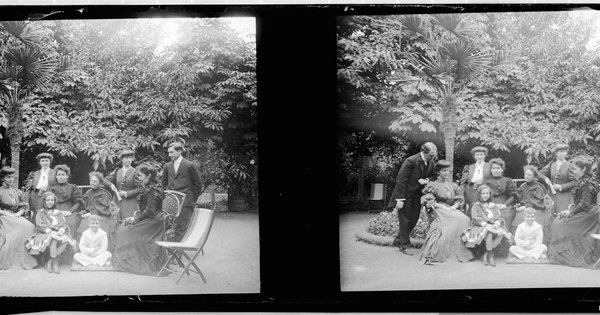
(404, 250)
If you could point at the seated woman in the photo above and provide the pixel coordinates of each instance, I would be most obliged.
(52, 236)
(534, 195)
(486, 224)
(14, 228)
(571, 242)
(528, 239)
(93, 246)
(443, 199)
(68, 198)
(136, 250)
(97, 201)
(504, 191)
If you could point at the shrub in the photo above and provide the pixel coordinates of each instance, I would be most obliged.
(386, 224)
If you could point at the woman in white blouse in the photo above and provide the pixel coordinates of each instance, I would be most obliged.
(39, 182)
(475, 175)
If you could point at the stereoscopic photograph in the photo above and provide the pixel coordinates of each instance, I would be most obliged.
(468, 150)
(128, 157)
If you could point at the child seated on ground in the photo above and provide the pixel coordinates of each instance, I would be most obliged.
(52, 235)
(528, 238)
(93, 245)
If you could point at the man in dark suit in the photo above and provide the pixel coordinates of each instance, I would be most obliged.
(414, 173)
(182, 175)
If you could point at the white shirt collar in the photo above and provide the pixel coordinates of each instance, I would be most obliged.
(178, 161)
(423, 157)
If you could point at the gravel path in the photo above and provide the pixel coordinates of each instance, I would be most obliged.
(366, 267)
(230, 264)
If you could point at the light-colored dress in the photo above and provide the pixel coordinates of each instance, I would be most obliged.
(93, 248)
(48, 224)
(443, 241)
(483, 216)
(524, 234)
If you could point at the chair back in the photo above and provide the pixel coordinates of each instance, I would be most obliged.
(173, 203)
(199, 228)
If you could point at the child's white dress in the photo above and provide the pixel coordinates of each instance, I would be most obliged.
(93, 248)
(524, 233)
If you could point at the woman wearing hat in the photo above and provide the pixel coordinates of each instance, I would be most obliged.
(123, 182)
(556, 175)
(475, 175)
(14, 229)
(39, 182)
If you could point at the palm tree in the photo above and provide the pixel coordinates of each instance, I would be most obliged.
(450, 63)
(28, 63)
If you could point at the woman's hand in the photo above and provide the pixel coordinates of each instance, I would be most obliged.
(501, 206)
(122, 193)
(85, 215)
(497, 224)
(521, 208)
(130, 220)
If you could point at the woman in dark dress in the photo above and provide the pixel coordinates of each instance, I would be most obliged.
(125, 184)
(474, 175)
(504, 191)
(556, 174)
(443, 199)
(97, 201)
(68, 198)
(571, 242)
(14, 228)
(39, 182)
(533, 194)
(136, 250)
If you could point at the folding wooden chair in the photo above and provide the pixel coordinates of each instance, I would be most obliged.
(171, 207)
(194, 239)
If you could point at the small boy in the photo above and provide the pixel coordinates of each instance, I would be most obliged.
(93, 245)
(528, 238)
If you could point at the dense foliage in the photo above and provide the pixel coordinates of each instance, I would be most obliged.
(146, 83)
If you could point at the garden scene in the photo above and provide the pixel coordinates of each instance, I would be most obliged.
(159, 104)
(499, 92)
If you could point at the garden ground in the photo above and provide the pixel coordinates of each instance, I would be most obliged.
(366, 267)
(230, 264)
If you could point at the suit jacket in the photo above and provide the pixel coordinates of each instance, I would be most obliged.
(407, 180)
(187, 180)
(559, 176)
(469, 172)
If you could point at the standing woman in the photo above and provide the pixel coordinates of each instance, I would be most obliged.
(556, 175)
(475, 175)
(124, 183)
(14, 229)
(136, 250)
(571, 242)
(532, 194)
(68, 198)
(443, 199)
(504, 191)
(39, 182)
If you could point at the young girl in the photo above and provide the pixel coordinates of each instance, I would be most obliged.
(52, 236)
(93, 245)
(528, 238)
(486, 224)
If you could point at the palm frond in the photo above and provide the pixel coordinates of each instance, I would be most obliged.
(456, 24)
(23, 31)
(470, 63)
(412, 23)
(34, 68)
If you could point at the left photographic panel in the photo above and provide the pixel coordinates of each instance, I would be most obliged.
(129, 155)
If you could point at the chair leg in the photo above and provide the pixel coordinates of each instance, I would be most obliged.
(191, 262)
(597, 261)
(171, 255)
(180, 262)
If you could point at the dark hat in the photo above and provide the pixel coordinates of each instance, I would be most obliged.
(44, 155)
(126, 152)
(560, 146)
(479, 149)
(5, 171)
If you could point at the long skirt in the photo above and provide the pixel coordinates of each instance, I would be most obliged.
(39, 242)
(136, 250)
(13, 234)
(570, 241)
(443, 241)
(544, 218)
(127, 207)
(562, 200)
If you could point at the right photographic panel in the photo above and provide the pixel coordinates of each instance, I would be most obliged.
(468, 150)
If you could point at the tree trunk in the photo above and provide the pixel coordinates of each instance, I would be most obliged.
(361, 178)
(448, 126)
(15, 134)
(449, 140)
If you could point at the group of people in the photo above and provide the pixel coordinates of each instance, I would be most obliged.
(551, 217)
(113, 225)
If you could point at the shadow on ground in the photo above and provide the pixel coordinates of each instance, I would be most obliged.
(366, 267)
(230, 264)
